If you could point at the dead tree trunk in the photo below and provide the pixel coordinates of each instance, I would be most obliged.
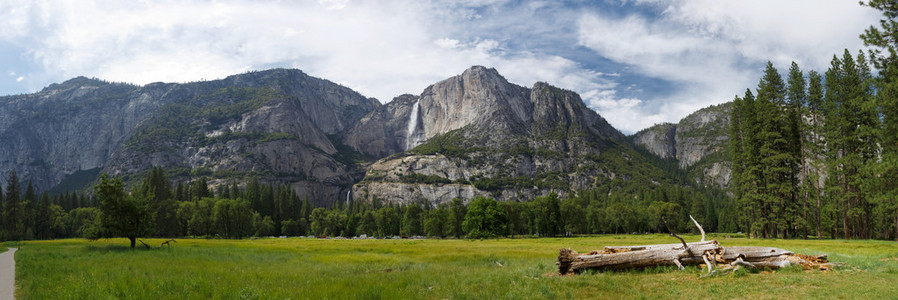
(704, 252)
(637, 257)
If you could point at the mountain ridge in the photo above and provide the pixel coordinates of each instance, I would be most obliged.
(483, 134)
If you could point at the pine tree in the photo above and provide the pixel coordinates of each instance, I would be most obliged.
(851, 138)
(3, 233)
(884, 55)
(29, 200)
(797, 99)
(44, 219)
(14, 209)
(746, 164)
(776, 156)
(868, 126)
(813, 145)
(157, 186)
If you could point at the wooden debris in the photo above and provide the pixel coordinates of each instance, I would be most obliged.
(167, 243)
(706, 253)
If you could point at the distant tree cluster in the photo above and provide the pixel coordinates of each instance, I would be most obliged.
(24, 215)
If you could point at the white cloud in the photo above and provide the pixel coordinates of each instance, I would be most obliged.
(712, 50)
(20, 78)
(617, 110)
(706, 49)
(447, 43)
(380, 49)
(333, 4)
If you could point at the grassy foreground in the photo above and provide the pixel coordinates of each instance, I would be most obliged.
(436, 269)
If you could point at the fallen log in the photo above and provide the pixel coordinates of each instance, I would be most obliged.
(629, 257)
(709, 253)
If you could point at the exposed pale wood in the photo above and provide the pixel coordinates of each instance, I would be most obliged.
(646, 256)
(702, 230)
(709, 253)
(616, 249)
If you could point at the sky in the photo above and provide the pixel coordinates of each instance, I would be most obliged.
(636, 62)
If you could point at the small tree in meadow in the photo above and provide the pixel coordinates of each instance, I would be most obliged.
(122, 215)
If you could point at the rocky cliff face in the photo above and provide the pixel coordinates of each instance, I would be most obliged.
(385, 130)
(698, 142)
(660, 140)
(69, 127)
(469, 135)
(486, 136)
(277, 125)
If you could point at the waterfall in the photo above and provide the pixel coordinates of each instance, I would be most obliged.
(347, 197)
(412, 140)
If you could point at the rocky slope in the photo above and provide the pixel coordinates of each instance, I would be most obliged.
(69, 127)
(486, 136)
(698, 142)
(276, 125)
(471, 134)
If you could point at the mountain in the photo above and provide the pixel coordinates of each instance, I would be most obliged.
(277, 125)
(477, 134)
(468, 135)
(698, 143)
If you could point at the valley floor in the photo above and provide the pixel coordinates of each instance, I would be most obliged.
(431, 269)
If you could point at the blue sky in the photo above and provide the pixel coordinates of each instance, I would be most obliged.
(637, 63)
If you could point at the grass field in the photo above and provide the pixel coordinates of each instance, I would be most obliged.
(434, 269)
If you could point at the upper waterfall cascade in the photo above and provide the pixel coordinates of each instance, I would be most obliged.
(413, 135)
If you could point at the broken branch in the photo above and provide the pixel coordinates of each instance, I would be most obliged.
(708, 252)
(699, 227)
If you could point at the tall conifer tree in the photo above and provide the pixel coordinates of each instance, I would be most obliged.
(797, 98)
(814, 144)
(14, 209)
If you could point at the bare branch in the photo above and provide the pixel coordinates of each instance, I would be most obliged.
(699, 227)
(685, 247)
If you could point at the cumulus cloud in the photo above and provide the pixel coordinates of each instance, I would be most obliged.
(712, 50)
(359, 44)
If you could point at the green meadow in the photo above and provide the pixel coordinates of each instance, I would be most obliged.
(296, 268)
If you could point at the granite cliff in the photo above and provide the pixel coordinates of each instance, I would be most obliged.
(277, 125)
(698, 143)
(468, 135)
(486, 136)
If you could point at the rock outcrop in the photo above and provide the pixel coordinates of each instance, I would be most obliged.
(277, 125)
(698, 142)
(660, 140)
(486, 136)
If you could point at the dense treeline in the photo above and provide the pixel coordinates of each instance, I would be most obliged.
(155, 207)
(816, 155)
